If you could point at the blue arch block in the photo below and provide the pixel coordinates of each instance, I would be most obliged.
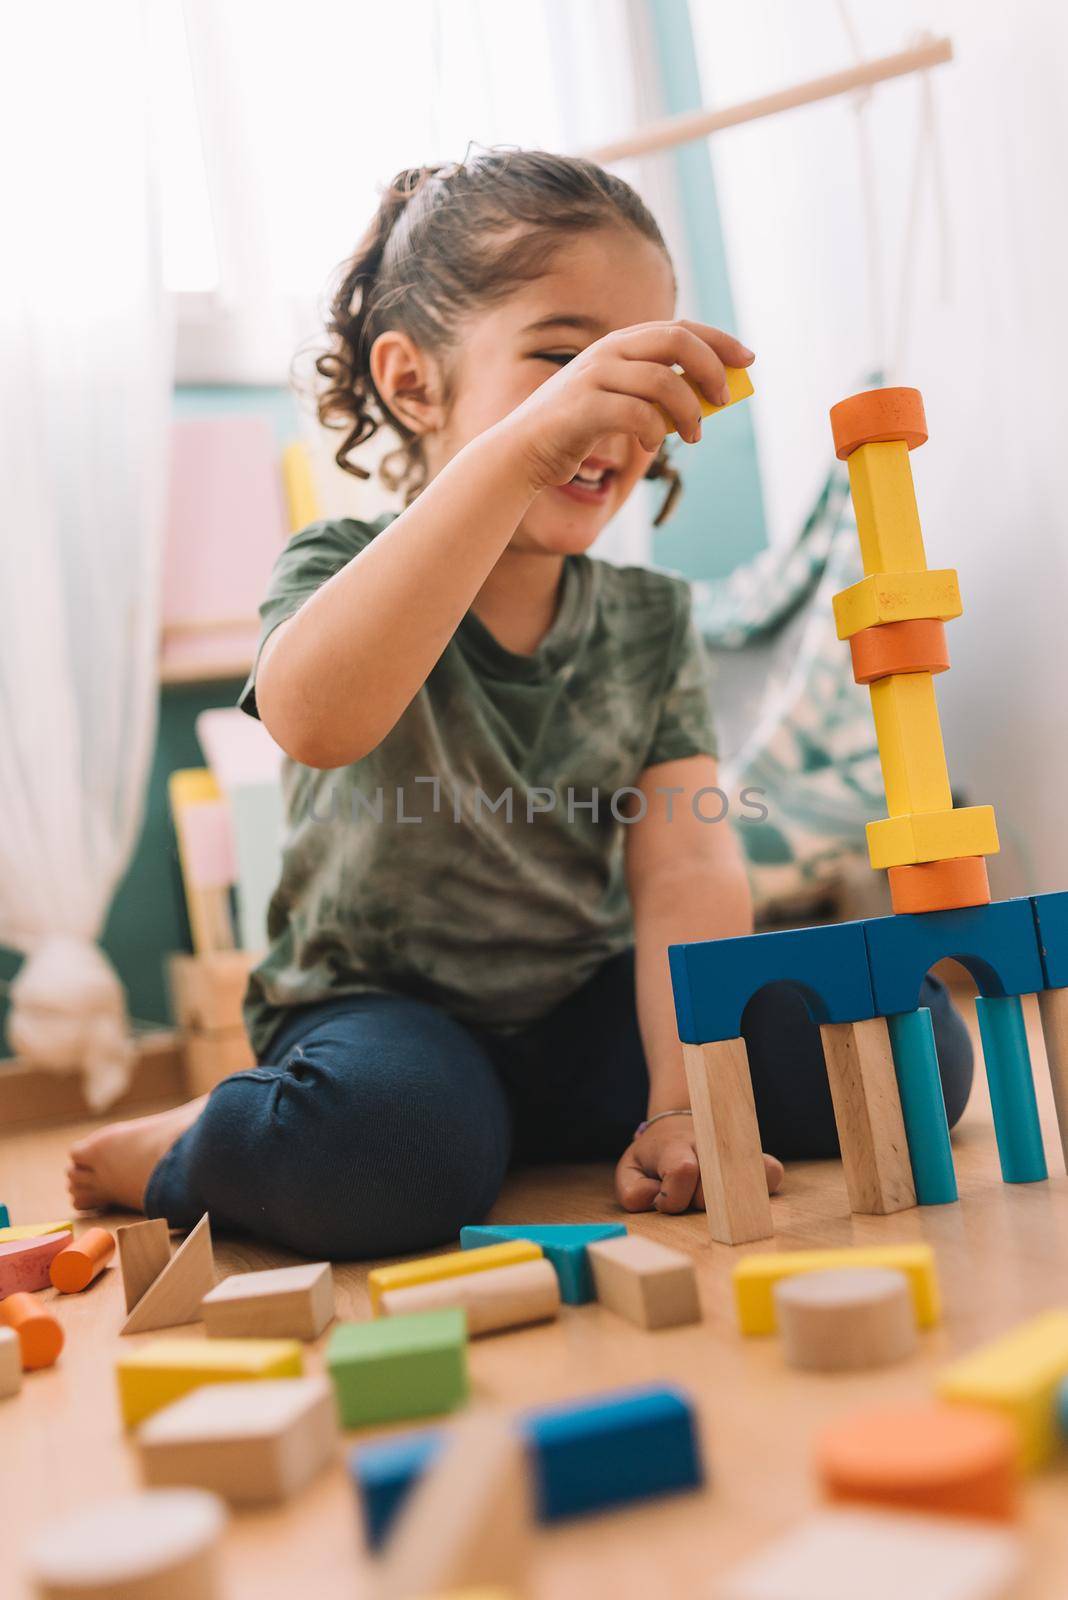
(1051, 921)
(714, 979)
(996, 943)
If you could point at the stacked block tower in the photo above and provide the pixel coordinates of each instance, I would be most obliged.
(861, 980)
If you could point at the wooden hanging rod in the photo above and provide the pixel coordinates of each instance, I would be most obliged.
(690, 125)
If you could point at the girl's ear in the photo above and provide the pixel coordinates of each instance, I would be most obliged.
(408, 381)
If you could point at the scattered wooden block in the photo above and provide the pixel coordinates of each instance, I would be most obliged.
(503, 1297)
(946, 1459)
(468, 1522)
(397, 1367)
(1018, 1376)
(153, 1375)
(144, 1251)
(207, 991)
(1053, 1011)
(867, 1112)
(645, 1282)
(845, 1320)
(75, 1267)
(252, 1443)
(838, 1555)
(33, 1230)
(755, 1277)
(563, 1243)
(10, 1362)
(5, 1217)
(281, 1303)
(162, 1545)
(588, 1455)
(175, 1296)
(24, 1263)
(40, 1335)
(433, 1269)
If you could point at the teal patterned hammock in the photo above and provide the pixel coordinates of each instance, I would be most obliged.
(792, 722)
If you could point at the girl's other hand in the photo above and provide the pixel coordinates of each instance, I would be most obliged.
(624, 383)
(659, 1171)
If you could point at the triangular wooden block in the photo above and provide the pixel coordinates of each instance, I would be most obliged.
(176, 1294)
(144, 1251)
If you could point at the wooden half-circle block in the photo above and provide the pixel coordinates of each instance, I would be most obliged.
(915, 645)
(24, 1263)
(940, 885)
(955, 1460)
(876, 416)
(846, 1320)
(160, 1545)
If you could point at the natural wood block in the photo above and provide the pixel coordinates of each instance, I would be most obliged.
(211, 1057)
(40, 1335)
(728, 1141)
(162, 1545)
(10, 1362)
(281, 1303)
(431, 1269)
(1053, 1010)
(252, 1443)
(881, 1555)
(397, 1367)
(953, 1460)
(503, 1297)
(24, 1263)
(1018, 1376)
(74, 1268)
(32, 1230)
(646, 1282)
(468, 1521)
(207, 991)
(153, 1375)
(144, 1251)
(755, 1277)
(845, 1320)
(867, 1111)
(175, 1296)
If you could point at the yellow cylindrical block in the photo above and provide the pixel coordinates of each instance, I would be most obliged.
(911, 752)
(884, 499)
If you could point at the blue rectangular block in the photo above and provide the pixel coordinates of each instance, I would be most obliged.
(5, 1220)
(714, 979)
(587, 1455)
(1051, 923)
(996, 943)
(564, 1244)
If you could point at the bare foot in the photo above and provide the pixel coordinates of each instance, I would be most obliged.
(113, 1165)
(774, 1171)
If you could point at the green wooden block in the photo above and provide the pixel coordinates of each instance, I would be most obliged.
(397, 1367)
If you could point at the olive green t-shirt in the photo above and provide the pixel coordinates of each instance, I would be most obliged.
(474, 859)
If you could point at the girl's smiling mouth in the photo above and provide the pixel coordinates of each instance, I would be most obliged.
(591, 483)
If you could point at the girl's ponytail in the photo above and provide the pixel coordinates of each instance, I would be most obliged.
(348, 399)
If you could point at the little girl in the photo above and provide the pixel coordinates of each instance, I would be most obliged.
(501, 790)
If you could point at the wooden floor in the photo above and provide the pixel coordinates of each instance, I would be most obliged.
(1002, 1255)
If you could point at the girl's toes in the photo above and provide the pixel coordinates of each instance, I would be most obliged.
(775, 1172)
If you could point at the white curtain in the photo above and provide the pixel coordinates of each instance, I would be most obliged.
(84, 399)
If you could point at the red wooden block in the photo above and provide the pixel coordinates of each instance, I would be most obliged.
(24, 1263)
(877, 416)
(917, 645)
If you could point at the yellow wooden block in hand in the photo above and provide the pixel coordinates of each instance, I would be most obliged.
(739, 383)
(755, 1278)
(888, 521)
(932, 836)
(431, 1269)
(911, 751)
(157, 1373)
(1018, 1375)
(897, 597)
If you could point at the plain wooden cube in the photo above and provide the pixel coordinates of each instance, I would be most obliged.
(252, 1443)
(645, 1282)
(281, 1303)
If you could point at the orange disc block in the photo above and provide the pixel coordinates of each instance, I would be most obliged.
(40, 1335)
(956, 1460)
(938, 885)
(918, 645)
(877, 416)
(75, 1267)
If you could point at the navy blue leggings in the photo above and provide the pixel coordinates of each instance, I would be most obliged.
(381, 1125)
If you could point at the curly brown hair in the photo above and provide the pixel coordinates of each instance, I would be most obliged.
(443, 240)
